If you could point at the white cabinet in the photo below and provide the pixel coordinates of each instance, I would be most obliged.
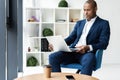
(60, 20)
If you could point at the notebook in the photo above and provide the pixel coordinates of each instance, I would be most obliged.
(59, 44)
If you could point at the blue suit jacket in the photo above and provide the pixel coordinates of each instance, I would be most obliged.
(98, 36)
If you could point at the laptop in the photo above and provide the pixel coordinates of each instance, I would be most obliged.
(59, 44)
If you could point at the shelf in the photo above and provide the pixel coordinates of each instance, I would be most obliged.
(72, 23)
(61, 29)
(71, 27)
(36, 37)
(61, 14)
(47, 15)
(33, 15)
(60, 20)
(37, 56)
(74, 15)
(32, 22)
(61, 23)
(47, 26)
(32, 8)
(32, 29)
(44, 58)
(47, 22)
(34, 52)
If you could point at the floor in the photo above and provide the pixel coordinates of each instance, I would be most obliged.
(106, 72)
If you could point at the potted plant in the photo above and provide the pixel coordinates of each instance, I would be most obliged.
(63, 3)
(32, 61)
(47, 32)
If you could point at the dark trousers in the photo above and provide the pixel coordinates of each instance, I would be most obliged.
(87, 61)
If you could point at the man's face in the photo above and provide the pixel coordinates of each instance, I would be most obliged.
(89, 11)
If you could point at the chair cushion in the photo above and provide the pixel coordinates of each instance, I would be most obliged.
(72, 65)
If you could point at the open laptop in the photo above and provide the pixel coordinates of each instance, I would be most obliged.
(59, 44)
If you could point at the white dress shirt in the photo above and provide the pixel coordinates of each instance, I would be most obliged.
(82, 40)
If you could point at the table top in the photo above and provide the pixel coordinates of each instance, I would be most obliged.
(56, 76)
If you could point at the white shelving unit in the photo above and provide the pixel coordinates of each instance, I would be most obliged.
(60, 20)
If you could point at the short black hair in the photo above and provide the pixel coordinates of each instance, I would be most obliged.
(93, 2)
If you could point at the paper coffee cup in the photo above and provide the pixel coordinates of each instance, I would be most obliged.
(47, 71)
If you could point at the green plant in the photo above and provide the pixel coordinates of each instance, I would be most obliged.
(32, 61)
(63, 3)
(47, 32)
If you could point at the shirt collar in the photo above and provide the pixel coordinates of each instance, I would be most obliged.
(92, 20)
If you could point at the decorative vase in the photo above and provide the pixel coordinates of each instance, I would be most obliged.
(63, 3)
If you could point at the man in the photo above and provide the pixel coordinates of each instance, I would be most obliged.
(89, 35)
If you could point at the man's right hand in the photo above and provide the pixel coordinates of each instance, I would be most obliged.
(50, 47)
(82, 49)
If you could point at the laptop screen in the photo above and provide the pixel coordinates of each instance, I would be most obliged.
(58, 43)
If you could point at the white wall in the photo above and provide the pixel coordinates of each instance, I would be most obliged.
(107, 9)
(110, 10)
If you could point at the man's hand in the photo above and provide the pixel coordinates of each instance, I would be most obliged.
(50, 47)
(82, 49)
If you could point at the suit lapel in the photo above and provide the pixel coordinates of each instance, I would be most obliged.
(93, 26)
(81, 27)
(79, 30)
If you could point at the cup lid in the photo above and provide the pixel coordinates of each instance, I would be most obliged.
(47, 66)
